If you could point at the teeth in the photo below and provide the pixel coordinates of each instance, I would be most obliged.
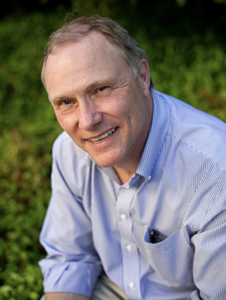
(103, 136)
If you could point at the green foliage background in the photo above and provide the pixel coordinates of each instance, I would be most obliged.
(186, 51)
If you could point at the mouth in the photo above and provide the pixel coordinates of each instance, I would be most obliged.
(103, 137)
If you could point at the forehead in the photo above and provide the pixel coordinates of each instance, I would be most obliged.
(80, 63)
(92, 49)
(90, 46)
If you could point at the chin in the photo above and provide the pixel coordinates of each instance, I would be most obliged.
(105, 162)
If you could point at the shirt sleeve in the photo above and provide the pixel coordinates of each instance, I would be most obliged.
(72, 264)
(209, 266)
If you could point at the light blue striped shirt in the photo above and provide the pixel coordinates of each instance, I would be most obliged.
(178, 190)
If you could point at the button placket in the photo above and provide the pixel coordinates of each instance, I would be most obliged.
(130, 257)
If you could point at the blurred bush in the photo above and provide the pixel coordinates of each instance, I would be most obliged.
(28, 128)
(187, 63)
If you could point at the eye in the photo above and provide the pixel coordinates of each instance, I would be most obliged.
(101, 89)
(66, 102)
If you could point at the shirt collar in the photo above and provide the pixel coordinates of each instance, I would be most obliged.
(157, 134)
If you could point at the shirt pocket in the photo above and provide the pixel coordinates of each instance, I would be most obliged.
(171, 259)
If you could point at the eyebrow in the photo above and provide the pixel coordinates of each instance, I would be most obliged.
(96, 83)
(90, 87)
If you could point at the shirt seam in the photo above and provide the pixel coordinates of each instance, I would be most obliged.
(205, 155)
(213, 200)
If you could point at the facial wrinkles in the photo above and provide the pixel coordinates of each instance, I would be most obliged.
(116, 112)
(83, 88)
(82, 72)
(79, 76)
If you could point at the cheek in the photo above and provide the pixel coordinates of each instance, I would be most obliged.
(121, 104)
(60, 119)
(65, 122)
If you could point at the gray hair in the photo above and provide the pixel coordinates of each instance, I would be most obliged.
(78, 28)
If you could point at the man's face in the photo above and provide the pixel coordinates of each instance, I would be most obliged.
(99, 102)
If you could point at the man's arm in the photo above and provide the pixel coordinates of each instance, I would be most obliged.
(67, 231)
(209, 266)
(64, 296)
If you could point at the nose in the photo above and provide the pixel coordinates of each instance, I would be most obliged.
(89, 116)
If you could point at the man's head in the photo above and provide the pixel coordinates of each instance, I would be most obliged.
(99, 100)
(118, 36)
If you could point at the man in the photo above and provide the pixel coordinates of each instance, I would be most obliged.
(138, 179)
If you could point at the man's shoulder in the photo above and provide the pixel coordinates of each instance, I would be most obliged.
(62, 138)
(65, 150)
(197, 130)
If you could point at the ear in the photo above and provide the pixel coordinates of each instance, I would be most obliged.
(144, 77)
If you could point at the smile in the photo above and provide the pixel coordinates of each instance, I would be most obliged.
(102, 137)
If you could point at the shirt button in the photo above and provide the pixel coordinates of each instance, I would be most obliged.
(123, 217)
(149, 177)
(131, 284)
(129, 247)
